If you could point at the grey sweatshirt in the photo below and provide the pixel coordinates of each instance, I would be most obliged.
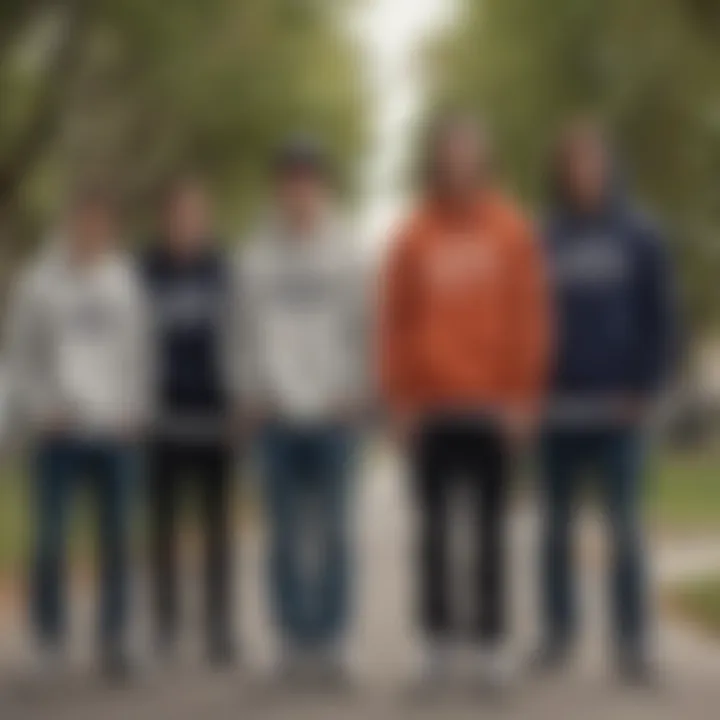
(76, 347)
(303, 309)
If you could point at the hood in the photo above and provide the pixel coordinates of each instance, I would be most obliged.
(615, 203)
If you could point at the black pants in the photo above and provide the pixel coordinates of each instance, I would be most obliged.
(206, 470)
(450, 455)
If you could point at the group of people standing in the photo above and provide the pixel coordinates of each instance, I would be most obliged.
(479, 340)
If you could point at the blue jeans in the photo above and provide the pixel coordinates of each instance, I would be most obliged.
(308, 475)
(106, 467)
(616, 458)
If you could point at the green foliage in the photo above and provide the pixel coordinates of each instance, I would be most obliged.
(684, 492)
(157, 87)
(651, 68)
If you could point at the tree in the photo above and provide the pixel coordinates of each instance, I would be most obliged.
(651, 68)
(134, 91)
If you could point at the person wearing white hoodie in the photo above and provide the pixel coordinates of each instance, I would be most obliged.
(76, 364)
(303, 381)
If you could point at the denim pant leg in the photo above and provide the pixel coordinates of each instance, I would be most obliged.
(622, 475)
(113, 483)
(53, 479)
(561, 454)
(332, 488)
(284, 497)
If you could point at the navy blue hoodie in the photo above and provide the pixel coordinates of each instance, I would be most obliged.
(190, 301)
(615, 303)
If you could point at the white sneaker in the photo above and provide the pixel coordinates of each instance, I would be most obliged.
(493, 667)
(323, 667)
(439, 664)
(331, 666)
(292, 666)
(48, 664)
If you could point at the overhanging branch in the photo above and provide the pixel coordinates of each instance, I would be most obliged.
(43, 123)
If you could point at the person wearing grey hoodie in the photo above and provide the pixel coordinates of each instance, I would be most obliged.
(76, 364)
(303, 380)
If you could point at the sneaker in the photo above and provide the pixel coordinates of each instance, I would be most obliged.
(438, 665)
(330, 668)
(636, 670)
(49, 663)
(221, 653)
(166, 647)
(551, 657)
(115, 664)
(493, 667)
(292, 666)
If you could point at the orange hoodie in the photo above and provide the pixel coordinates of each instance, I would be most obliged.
(463, 321)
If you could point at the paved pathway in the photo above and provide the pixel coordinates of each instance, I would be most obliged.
(384, 651)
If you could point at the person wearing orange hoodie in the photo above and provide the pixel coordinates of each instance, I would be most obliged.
(463, 343)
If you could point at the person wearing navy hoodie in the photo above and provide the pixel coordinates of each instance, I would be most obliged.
(189, 288)
(615, 347)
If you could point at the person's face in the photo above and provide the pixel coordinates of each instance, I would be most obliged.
(188, 218)
(459, 159)
(301, 196)
(93, 227)
(586, 170)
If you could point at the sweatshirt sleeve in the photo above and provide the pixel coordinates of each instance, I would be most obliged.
(140, 368)
(230, 330)
(25, 346)
(360, 333)
(659, 353)
(529, 325)
(246, 377)
(396, 325)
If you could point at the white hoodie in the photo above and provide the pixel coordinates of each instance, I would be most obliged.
(304, 310)
(76, 344)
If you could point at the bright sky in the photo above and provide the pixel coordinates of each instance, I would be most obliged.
(392, 32)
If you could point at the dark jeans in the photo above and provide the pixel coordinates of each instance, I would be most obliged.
(449, 455)
(308, 472)
(106, 468)
(205, 470)
(616, 458)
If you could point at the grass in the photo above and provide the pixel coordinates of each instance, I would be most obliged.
(684, 491)
(14, 525)
(699, 603)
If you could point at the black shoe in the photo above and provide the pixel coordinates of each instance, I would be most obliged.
(221, 653)
(636, 670)
(331, 673)
(549, 658)
(115, 665)
(166, 648)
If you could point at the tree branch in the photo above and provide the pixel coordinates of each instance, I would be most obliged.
(16, 18)
(42, 125)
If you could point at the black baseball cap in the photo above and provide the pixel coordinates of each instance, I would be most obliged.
(302, 154)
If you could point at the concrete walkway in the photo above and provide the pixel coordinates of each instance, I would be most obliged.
(384, 650)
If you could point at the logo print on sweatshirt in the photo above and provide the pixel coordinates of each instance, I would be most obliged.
(93, 320)
(460, 261)
(187, 306)
(591, 260)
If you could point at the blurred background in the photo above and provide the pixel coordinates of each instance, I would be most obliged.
(134, 91)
